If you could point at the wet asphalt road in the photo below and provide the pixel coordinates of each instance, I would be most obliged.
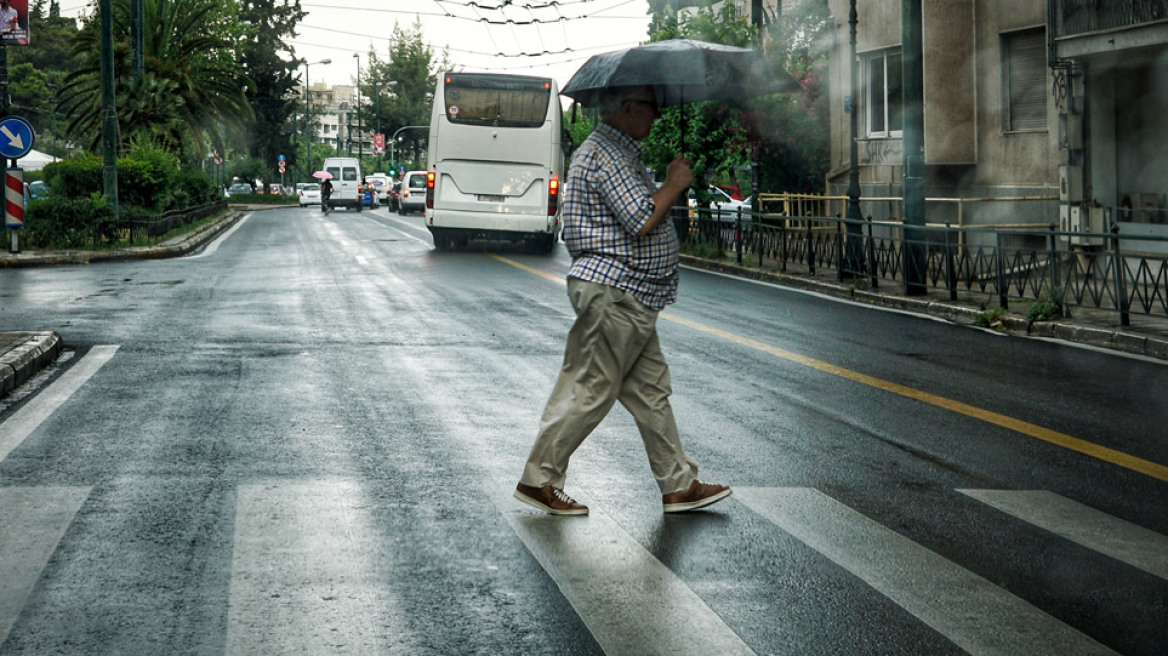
(304, 438)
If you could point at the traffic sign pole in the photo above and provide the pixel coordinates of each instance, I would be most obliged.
(14, 205)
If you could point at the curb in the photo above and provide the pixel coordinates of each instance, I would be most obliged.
(1107, 338)
(173, 248)
(28, 354)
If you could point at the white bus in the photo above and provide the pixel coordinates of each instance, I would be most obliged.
(495, 160)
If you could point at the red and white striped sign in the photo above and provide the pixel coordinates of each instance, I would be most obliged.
(14, 198)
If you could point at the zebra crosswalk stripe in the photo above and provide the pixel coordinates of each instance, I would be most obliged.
(22, 424)
(300, 580)
(32, 522)
(976, 615)
(1083, 525)
(627, 598)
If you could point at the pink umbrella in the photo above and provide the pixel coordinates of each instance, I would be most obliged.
(322, 175)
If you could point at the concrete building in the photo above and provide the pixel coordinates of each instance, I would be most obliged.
(1060, 102)
(334, 119)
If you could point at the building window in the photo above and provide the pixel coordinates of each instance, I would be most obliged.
(1024, 80)
(883, 101)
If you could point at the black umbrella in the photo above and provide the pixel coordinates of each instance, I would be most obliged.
(680, 71)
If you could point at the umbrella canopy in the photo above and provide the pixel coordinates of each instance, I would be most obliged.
(680, 71)
(322, 175)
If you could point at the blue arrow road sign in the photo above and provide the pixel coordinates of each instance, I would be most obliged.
(16, 137)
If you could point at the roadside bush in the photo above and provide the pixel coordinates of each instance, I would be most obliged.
(78, 216)
(193, 188)
(67, 223)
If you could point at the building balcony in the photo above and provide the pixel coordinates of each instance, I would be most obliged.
(1076, 17)
(1090, 27)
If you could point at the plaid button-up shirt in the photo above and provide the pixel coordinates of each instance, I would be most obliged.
(608, 198)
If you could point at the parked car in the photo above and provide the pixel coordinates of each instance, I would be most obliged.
(240, 189)
(309, 193)
(722, 206)
(38, 189)
(413, 193)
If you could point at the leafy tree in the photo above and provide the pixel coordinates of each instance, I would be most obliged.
(37, 69)
(792, 130)
(191, 85)
(711, 134)
(411, 65)
(270, 63)
(788, 132)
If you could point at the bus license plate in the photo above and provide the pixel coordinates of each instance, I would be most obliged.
(491, 198)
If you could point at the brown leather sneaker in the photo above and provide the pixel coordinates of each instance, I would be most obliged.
(550, 500)
(699, 495)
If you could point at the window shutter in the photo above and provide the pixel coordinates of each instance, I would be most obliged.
(1026, 80)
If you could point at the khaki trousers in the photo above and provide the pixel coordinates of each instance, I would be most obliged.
(612, 355)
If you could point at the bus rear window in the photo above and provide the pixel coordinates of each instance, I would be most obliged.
(499, 101)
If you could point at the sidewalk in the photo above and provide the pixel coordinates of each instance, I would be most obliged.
(24, 353)
(1147, 336)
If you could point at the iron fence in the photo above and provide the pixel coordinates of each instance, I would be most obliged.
(1104, 271)
(173, 220)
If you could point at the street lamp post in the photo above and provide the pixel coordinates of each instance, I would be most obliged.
(308, 119)
(393, 140)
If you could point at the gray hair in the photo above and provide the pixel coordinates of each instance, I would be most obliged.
(612, 98)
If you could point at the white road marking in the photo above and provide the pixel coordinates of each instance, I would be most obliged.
(975, 614)
(300, 579)
(33, 521)
(26, 420)
(630, 602)
(361, 260)
(1098, 531)
(214, 246)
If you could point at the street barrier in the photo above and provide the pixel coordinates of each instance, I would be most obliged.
(1112, 271)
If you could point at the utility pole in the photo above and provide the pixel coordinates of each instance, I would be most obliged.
(912, 47)
(138, 34)
(855, 216)
(109, 124)
(756, 18)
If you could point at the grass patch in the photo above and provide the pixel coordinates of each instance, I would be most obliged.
(991, 318)
(703, 250)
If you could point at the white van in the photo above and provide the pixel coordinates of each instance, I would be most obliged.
(346, 173)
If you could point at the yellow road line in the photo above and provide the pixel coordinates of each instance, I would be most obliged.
(1119, 458)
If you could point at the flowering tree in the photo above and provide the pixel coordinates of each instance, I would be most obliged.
(788, 132)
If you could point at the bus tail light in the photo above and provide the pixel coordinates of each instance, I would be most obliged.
(430, 190)
(553, 195)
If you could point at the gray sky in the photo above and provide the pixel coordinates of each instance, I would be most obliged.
(568, 31)
(482, 35)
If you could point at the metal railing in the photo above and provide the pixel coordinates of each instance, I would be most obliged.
(1073, 17)
(173, 220)
(1073, 269)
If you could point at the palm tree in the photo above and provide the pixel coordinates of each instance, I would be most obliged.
(190, 87)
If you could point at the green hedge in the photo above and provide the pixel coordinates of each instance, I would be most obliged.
(77, 215)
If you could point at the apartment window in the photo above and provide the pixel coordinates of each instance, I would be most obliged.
(884, 104)
(1024, 80)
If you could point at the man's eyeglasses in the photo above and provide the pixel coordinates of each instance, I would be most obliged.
(648, 103)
